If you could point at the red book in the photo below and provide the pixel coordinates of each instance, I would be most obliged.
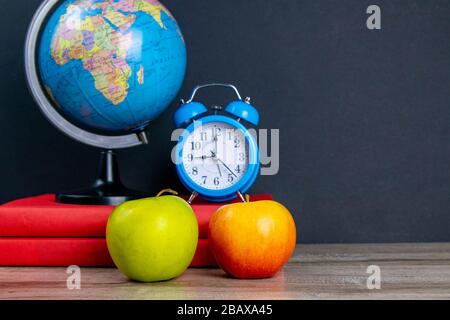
(52, 252)
(203, 255)
(41, 216)
(62, 252)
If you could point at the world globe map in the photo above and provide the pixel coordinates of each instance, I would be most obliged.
(111, 65)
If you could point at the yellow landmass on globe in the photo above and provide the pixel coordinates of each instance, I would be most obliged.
(151, 9)
(87, 24)
(121, 21)
(99, 46)
(140, 75)
(110, 76)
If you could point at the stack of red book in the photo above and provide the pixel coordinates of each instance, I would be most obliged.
(38, 231)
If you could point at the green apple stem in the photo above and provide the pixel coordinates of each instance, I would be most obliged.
(173, 192)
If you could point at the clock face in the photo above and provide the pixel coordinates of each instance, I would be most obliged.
(216, 155)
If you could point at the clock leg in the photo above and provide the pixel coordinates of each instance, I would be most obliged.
(241, 196)
(192, 197)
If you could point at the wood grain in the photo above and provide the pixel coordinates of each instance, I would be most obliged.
(408, 271)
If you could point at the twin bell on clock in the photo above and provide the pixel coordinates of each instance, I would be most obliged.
(217, 157)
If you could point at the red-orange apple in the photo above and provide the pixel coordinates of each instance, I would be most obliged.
(252, 239)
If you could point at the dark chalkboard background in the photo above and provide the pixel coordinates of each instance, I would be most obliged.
(364, 115)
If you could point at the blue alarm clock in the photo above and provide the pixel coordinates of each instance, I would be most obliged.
(217, 158)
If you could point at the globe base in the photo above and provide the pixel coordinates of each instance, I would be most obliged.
(107, 189)
(99, 196)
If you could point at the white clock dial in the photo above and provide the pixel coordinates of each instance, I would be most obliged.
(215, 155)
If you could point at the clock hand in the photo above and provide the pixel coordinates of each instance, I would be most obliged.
(223, 163)
(220, 172)
(214, 156)
(216, 141)
(203, 157)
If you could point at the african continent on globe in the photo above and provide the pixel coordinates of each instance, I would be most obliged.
(111, 65)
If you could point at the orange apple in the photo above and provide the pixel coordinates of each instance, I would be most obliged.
(252, 239)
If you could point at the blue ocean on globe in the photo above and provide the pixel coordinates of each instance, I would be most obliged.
(111, 65)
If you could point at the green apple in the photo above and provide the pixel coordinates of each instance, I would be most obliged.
(152, 239)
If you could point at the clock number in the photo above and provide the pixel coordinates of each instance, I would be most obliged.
(196, 145)
(217, 131)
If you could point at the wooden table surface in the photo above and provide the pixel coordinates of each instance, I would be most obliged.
(408, 271)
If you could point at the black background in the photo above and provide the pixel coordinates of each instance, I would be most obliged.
(364, 115)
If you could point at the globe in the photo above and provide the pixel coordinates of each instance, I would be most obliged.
(111, 66)
(101, 71)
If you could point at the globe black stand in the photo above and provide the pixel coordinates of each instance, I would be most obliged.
(106, 190)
